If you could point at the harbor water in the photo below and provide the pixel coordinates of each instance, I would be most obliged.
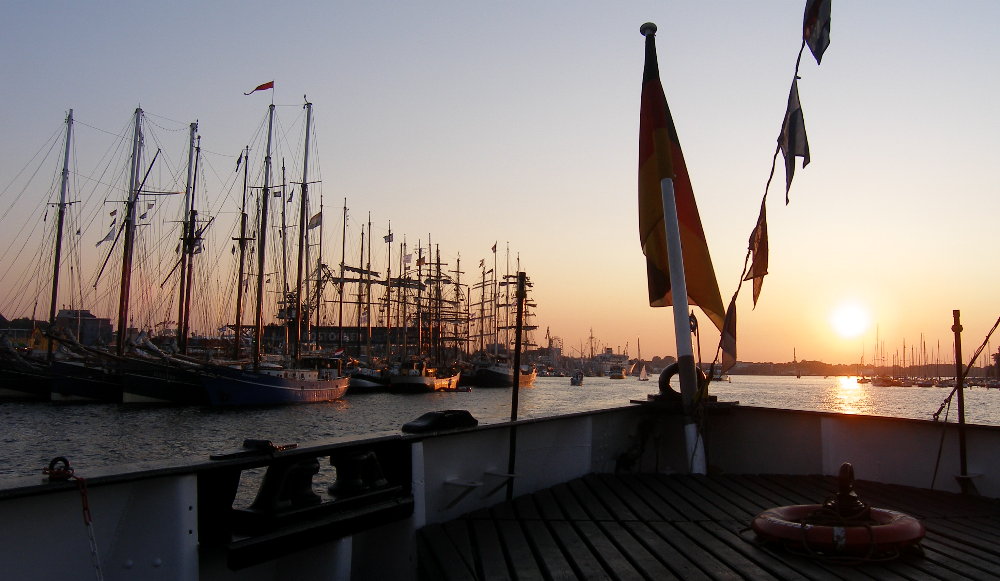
(100, 435)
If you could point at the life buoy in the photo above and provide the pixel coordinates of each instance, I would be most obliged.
(886, 531)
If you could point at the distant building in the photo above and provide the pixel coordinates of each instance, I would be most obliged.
(87, 328)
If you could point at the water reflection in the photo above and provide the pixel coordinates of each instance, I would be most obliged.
(851, 398)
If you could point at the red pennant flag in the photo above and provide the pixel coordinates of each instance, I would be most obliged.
(264, 87)
(660, 157)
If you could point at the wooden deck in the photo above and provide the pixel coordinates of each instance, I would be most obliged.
(648, 526)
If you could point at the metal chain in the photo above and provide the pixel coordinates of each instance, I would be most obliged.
(60, 470)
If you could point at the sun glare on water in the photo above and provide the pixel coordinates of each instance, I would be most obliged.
(849, 320)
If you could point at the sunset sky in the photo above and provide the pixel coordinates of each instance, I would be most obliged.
(517, 122)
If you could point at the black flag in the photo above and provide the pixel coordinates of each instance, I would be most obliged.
(793, 141)
(816, 27)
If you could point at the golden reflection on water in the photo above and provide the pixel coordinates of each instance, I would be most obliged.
(851, 398)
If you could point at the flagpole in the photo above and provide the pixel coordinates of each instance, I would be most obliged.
(682, 326)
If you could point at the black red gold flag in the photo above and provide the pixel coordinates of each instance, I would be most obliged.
(816, 27)
(793, 140)
(660, 158)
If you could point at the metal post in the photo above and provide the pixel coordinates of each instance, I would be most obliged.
(682, 327)
(963, 477)
(512, 452)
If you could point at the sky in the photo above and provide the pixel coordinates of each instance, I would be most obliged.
(517, 123)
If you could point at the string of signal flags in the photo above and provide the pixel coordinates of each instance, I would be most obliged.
(662, 162)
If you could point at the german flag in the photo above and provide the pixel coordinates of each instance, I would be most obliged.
(660, 158)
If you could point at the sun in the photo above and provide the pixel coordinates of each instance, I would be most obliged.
(849, 320)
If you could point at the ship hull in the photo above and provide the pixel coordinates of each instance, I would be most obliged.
(236, 387)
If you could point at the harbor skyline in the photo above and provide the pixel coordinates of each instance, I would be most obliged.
(516, 124)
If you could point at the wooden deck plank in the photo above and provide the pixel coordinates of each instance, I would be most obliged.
(661, 509)
(705, 560)
(748, 495)
(814, 488)
(524, 507)
(646, 562)
(503, 511)
(969, 566)
(656, 526)
(428, 568)
(720, 497)
(687, 510)
(491, 563)
(440, 556)
(521, 558)
(571, 507)
(964, 533)
(636, 504)
(723, 552)
(613, 502)
(918, 505)
(548, 507)
(728, 534)
(606, 552)
(768, 489)
(551, 559)
(931, 570)
(591, 504)
(583, 561)
(619, 499)
(696, 496)
(677, 562)
(458, 533)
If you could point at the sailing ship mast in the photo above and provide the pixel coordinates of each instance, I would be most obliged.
(283, 312)
(60, 220)
(388, 294)
(265, 198)
(343, 251)
(188, 242)
(303, 236)
(133, 198)
(243, 252)
(319, 270)
(368, 290)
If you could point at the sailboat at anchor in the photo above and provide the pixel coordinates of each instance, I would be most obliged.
(304, 378)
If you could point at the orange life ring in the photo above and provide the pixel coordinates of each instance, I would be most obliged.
(889, 531)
